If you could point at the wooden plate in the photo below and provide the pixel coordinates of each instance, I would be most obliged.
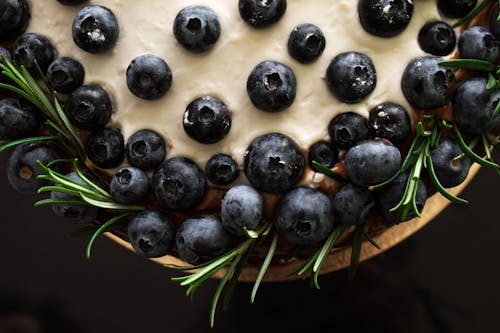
(340, 258)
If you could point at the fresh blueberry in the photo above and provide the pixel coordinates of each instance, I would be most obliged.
(274, 163)
(306, 43)
(450, 170)
(71, 2)
(4, 53)
(478, 43)
(14, 18)
(324, 153)
(437, 38)
(207, 120)
(351, 77)
(352, 204)
(372, 162)
(426, 85)
(106, 148)
(30, 47)
(304, 216)
(18, 119)
(262, 13)
(22, 167)
(272, 86)
(129, 186)
(391, 195)
(149, 77)
(95, 29)
(390, 121)
(197, 28)
(202, 239)
(146, 149)
(242, 207)
(179, 184)
(222, 169)
(76, 213)
(151, 234)
(65, 74)
(347, 129)
(473, 106)
(385, 18)
(89, 107)
(456, 8)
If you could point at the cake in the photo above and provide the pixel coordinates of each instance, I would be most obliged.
(257, 133)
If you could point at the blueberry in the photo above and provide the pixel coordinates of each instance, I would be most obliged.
(30, 47)
(347, 129)
(304, 216)
(14, 18)
(272, 86)
(324, 153)
(450, 171)
(149, 77)
(456, 8)
(197, 28)
(222, 169)
(65, 74)
(151, 234)
(262, 13)
(129, 186)
(22, 167)
(242, 207)
(352, 204)
(207, 120)
(437, 38)
(351, 77)
(146, 149)
(179, 184)
(306, 43)
(426, 85)
(390, 121)
(385, 18)
(274, 163)
(391, 195)
(372, 162)
(4, 53)
(18, 119)
(202, 239)
(478, 43)
(473, 106)
(76, 213)
(71, 2)
(95, 29)
(89, 107)
(106, 148)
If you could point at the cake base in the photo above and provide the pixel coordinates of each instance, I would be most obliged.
(340, 258)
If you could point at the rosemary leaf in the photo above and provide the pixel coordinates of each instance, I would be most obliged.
(27, 140)
(356, 251)
(46, 202)
(108, 204)
(492, 82)
(330, 173)
(90, 183)
(264, 267)
(469, 64)
(103, 228)
(370, 239)
(469, 152)
(473, 13)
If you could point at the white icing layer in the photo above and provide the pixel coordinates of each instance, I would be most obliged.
(146, 27)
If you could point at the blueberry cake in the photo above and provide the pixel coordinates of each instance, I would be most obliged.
(252, 132)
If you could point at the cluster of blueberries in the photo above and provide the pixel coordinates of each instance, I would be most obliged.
(273, 163)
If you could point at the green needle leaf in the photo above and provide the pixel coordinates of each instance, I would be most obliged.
(264, 267)
(330, 173)
(469, 152)
(102, 229)
(470, 64)
(473, 13)
(11, 144)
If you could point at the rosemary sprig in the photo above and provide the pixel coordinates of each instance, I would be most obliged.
(55, 119)
(329, 172)
(312, 266)
(473, 13)
(234, 260)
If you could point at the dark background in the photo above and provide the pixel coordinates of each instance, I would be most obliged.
(445, 278)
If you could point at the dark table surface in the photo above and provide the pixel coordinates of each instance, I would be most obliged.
(443, 279)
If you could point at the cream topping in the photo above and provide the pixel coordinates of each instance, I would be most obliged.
(146, 27)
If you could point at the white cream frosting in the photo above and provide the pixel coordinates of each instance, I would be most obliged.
(146, 27)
